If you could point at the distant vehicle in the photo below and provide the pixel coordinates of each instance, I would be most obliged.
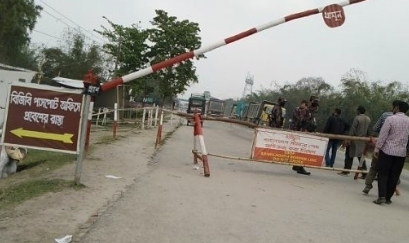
(196, 104)
(259, 113)
(215, 107)
(237, 109)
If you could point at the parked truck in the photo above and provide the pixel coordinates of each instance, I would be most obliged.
(196, 104)
(238, 109)
(215, 107)
(259, 113)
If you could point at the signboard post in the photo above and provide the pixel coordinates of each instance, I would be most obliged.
(283, 146)
(47, 118)
(83, 135)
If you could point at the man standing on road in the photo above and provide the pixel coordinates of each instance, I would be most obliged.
(299, 116)
(335, 125)
(373, 170)
(390, 149)
(277, 118)
(304, 120)
(359, 128)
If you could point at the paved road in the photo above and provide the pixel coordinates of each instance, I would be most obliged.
(246, 202)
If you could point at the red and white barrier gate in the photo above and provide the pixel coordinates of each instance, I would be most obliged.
(333, 16)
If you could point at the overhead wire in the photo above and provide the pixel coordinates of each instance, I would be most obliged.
(43, 33)
(64, 16)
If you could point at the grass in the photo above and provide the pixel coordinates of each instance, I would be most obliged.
(18, 193)
(32, 180)
(29, 181)
(37, 160)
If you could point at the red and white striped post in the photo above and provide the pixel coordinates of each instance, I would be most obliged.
(198, 132)
(191, 54)
(115, 125)
(159, 134)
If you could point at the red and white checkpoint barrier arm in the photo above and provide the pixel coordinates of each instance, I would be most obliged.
(195, 53)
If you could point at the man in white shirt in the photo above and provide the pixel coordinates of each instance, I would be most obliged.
(390, 149)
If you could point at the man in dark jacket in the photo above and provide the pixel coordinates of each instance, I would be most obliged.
(335, 125)
(276, 116)
(304, 121)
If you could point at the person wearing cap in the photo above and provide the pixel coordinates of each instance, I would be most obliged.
(277, 115)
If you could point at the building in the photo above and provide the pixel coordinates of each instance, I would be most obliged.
(9, 75)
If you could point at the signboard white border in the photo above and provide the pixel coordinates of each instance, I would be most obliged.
(301, 134)
(50, 88)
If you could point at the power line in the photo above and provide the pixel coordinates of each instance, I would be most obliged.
(69, 26)
(72, 21)
(43, 33)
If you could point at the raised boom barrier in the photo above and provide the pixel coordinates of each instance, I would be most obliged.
(333, 16)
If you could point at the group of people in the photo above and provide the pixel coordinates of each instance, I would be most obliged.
(390, 148)
(303, 119)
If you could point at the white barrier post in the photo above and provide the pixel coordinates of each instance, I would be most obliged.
(151, 118)
(156, 115)
(115, 126)
(143, 118)
(195, 139)
(99, 113)
(104, 120)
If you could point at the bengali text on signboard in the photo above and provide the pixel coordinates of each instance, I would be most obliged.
(283, 146)
(43, 118)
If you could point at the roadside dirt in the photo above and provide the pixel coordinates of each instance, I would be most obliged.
(72, 212)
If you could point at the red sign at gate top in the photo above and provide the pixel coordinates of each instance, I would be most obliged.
(43, 118)
(333, 15)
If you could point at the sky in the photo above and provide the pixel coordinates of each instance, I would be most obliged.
(374, 38)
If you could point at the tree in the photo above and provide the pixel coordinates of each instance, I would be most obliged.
(355, 90)
(127, 45)
(73, 59)
(17, 20)
(171, 37)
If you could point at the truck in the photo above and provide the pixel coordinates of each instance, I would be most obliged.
(258, 113)
(196, 104)
(215, 107)
(238, 109)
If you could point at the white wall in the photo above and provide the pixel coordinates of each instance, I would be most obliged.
(6, 78)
